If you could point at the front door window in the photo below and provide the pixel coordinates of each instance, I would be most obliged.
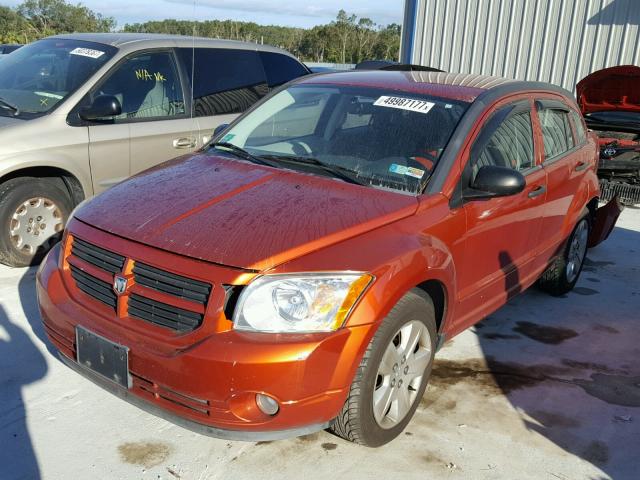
(147, 86)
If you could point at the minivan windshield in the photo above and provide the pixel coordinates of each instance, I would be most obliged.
(37, 77)
(375, 137)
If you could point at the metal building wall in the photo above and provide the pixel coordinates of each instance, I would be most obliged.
(557, 41)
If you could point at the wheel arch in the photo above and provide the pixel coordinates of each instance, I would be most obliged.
(592, 206)
(437, 292)
(68, 181)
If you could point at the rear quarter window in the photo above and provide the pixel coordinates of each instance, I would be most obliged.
(225, 80)
(281, 68)
(581, 132)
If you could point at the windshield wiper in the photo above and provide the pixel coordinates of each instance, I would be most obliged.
(242, 153)
(346, 174)
(6, 104)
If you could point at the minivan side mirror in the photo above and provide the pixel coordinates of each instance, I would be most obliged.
(494, 181)
(219, 129)
(103, 106)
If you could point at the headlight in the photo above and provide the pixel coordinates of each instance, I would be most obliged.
(299, 302)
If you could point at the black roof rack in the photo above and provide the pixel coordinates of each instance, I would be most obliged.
(393, 66)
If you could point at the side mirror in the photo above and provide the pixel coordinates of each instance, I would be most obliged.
(219, 129)
(103, 106)
(493, 181)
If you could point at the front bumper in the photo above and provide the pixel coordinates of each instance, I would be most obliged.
(200, 428)
(209, 386)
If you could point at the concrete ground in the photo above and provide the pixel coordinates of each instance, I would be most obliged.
(546, 388)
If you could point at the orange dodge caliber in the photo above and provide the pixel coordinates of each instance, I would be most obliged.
(300, 272)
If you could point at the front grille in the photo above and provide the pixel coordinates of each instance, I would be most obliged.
(163, 315)
(628, 194)
(172, 284)
(99, 257)
(145, 277)
(94, 287)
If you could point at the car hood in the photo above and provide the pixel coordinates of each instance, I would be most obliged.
(9, 121)
(240, 214)
(610, 89)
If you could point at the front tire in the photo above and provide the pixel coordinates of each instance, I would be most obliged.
(392, 375)
(33, 212)
(562, 275)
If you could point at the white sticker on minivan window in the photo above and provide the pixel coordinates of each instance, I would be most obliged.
(86, 52)
(421, 106)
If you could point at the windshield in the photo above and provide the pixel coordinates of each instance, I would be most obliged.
(37, 77)
(384, 139)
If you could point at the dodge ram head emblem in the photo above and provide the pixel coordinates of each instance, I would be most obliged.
(119, 284)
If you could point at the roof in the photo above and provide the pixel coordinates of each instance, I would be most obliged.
(465, 87)
(156, 40)
(460, 86)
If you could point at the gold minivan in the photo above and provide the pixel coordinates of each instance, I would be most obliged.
(81, 112)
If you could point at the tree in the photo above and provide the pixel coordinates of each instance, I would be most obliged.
(13, 27)
(344, 26)
(387, 43)
(364, 36)
(347, 39)
(48, 17)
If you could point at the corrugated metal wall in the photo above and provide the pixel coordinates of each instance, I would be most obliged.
(557, 41)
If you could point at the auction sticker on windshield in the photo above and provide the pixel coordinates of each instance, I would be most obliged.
(86, 52)
(421, 106)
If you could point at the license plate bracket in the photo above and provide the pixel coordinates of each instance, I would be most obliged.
(104, 357)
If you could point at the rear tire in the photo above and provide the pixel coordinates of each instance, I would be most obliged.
(33, 212)
(392, 375)
(562, 275)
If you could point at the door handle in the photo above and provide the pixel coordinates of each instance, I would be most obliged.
(536, 192)
(184, 142)
(581, 166)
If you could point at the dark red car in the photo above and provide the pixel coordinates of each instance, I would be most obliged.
(301, 271)
(610, 102)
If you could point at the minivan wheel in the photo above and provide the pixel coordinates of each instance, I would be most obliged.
(33, 212)
(392, 375)
(562, 275)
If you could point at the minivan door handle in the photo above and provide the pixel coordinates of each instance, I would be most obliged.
(581, 166)
(536, 192)
(184, 142)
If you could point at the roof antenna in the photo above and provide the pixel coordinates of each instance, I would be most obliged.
(193, 68)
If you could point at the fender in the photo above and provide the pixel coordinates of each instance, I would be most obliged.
(42, 159)
(47, 142)
(411, 256)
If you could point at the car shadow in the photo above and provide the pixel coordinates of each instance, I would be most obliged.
(29, 304)
(568, 364)
(22, 364)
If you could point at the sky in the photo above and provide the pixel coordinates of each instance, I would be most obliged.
(266, 12)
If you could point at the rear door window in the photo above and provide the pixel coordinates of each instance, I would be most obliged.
(226, 80)
(281, 68)
(556, 132)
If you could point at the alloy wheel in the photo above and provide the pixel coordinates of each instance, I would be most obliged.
(577, 250)
(401, 373)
